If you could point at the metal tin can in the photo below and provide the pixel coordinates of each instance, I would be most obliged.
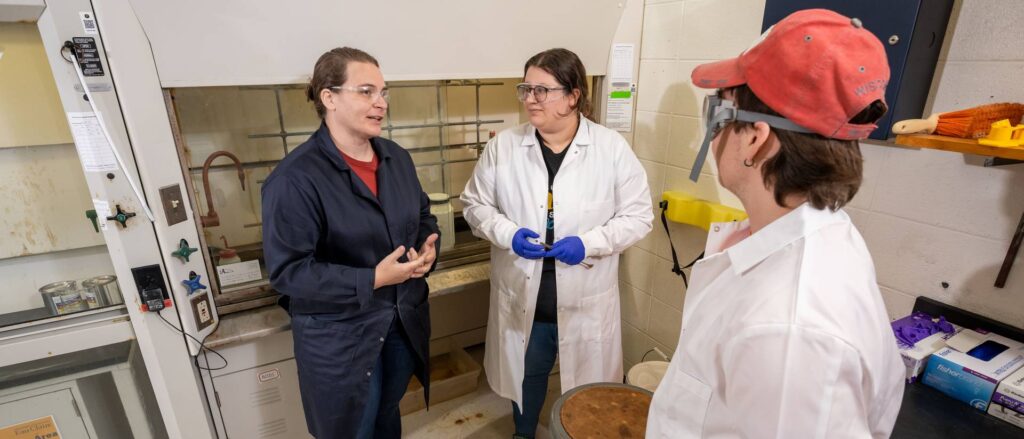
(101, 291)
(62, 297)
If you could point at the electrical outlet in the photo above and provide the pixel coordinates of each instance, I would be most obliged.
(202, 311)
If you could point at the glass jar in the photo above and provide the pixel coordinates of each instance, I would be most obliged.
(441, 207)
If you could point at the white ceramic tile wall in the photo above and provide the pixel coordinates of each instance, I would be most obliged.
(987, 30)
(664, 324)
(635, 305)
(719, 29)
(658, 86)
(928, 216)
(651, 138)
(661, 31)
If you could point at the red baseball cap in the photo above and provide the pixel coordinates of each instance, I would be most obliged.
(816, 68)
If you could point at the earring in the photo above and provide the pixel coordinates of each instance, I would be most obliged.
(748, 163)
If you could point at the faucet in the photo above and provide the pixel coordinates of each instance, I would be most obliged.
(211, 219)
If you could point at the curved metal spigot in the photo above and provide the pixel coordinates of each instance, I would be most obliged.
(211, 219)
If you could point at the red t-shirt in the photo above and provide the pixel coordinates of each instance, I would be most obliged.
(367, 171)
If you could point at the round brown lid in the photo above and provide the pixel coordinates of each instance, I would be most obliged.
(606, 412)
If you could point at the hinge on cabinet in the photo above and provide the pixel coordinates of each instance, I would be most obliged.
(75, 405)
(216, 396)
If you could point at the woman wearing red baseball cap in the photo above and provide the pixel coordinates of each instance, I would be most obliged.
(784, 330)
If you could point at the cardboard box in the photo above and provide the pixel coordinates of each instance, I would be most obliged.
(972, 373)
(915, 357)
(452, 375)
(1008, 401)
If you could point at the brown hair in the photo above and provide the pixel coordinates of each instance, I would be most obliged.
(827, 171)
(331, 71)
(568, 70)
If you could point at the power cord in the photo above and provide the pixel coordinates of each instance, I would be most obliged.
(202, 346)
(66, 48)
(657, 351)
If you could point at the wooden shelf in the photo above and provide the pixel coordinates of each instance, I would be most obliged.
(966, 146)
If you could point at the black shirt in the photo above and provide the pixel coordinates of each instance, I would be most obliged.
(547, 297)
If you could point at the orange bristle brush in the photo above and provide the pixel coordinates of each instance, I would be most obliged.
(971, 123)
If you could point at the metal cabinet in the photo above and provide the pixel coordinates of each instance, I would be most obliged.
(257, 391)
(59, 402)
(912, 32)
(264, 402)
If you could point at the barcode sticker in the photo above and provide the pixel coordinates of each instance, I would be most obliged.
(88, 23)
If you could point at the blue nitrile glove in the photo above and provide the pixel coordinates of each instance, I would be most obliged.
(523, 247)
(569, 250)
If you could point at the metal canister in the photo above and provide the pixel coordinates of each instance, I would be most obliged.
(101, 291)
(601, 410)
(62, 297)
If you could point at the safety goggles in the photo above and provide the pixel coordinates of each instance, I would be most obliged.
(719, 113)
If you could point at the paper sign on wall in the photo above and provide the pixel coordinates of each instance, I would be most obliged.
(102, 212)
(622, 90)
(238, 273)
(36, 428)
(93, 148)
(622, 64)
(620, 109)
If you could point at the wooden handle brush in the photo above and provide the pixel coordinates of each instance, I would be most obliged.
(971, 123)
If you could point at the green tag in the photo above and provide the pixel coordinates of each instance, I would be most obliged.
(625, 94)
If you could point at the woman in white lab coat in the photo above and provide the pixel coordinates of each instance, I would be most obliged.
(559, 198)
(784, 330)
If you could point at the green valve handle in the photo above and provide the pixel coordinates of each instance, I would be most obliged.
(121, 216)
(184, 251)
(91, 214)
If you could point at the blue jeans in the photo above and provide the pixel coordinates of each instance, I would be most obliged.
(540, 359)
(388, 383)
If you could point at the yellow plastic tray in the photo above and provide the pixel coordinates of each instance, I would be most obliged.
(684, 208)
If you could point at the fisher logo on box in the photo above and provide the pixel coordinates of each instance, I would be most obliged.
(949, 371)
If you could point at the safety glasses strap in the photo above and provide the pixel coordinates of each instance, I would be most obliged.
(773, 121)
(709, 134)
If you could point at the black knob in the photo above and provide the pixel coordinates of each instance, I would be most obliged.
(121, 216)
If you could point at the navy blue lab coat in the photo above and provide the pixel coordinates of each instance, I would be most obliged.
(323, 234)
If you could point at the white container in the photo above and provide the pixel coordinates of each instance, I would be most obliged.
(1008, 401)
(647, 375)
(441, 207)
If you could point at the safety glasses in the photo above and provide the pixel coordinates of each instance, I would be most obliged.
(718, 113)
(539, 92)
(368, 92)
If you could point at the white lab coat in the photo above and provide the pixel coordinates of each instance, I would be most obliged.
(784, 335)
(601, 195)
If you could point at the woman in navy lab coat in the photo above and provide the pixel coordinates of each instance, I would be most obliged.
(348, 237)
